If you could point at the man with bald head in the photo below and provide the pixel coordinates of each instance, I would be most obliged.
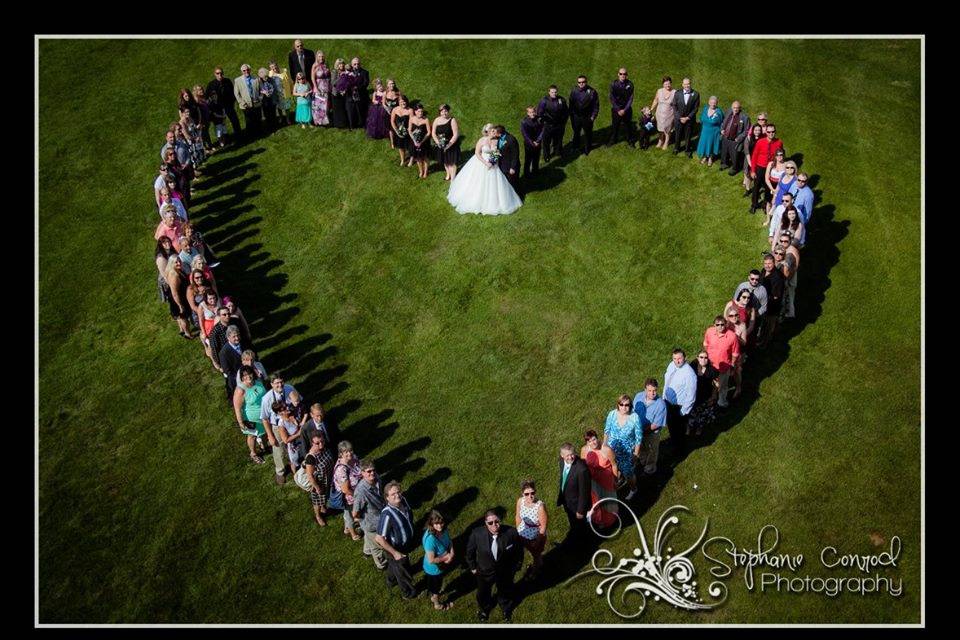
(686, 105)
(733, 131)
(301, 60)
(621, 107)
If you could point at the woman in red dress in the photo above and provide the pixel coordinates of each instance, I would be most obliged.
(602, 463)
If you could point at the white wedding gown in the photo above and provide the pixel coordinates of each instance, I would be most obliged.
(482, 189)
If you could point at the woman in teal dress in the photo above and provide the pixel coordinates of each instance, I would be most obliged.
(302, 92)
(623, 433)
(246, 407)
(711, 119)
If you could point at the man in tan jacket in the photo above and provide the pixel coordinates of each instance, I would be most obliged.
(246, 89)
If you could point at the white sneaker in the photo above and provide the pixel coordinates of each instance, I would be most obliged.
(630, 495)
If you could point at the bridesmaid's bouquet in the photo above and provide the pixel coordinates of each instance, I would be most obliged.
(401, 131)
(442, 141)
(417, 136)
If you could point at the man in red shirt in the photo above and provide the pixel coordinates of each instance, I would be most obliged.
(723, 349)
(763, 152)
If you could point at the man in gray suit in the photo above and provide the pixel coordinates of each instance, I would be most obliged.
(686, 104)
(246, 89)
(733, 131)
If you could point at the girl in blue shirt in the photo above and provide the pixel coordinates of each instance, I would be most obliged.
(437, 557)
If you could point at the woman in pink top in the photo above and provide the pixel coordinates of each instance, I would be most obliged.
(663, 105)
(169, 226)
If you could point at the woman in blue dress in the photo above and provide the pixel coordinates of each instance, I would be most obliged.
(711, 118)
(623, 433)
(302, 91)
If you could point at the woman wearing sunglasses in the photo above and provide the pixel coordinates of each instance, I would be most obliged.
(531, 524)
(623, 433)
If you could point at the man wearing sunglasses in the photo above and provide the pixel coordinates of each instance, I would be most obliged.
(723, 349)
(621, 108)
(494, 555)
(222, 87)
(803, 198)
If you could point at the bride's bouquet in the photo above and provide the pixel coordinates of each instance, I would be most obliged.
(495, 156)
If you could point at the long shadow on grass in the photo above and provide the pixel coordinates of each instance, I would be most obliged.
(817, 259)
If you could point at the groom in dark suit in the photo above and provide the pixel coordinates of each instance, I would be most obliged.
(686, 104)
(509, 157)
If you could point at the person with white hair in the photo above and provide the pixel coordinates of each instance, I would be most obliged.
(710, 120)
(268, 103)
(246, 89)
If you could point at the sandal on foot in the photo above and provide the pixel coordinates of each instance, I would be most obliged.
(256, 459)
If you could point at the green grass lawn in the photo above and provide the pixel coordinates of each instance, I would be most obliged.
(461, 351)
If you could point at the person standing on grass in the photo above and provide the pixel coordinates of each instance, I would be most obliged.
(288, 432)
(764, 152)
(271, 421)
(774, 284)
(552, 111)
(651, 410)
(494, 555)
(531, 521)
(302, 92)
(249, 359)
(679, 394)
(246, 90)
(246, 408)
(300, 60)
(758, 298)
(346, 477)
(446, 135)
(686, 103)
(803, 198)
(316, 422)
(584, 108)
(704, 413)
(437, 557)
(733, 132)
(318, 464)
(420, 133)
(532, 131)
(723, 348)
(788, 261)
(622, 433)
(221, 92)
(368, 502)
(229, 357)
(574, 495)
(621, 107)
(395, 536)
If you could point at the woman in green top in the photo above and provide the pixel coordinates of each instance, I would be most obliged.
(246, 405)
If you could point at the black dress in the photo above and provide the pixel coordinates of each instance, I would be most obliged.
(704, 412)
(444, 133)
(401, 140)
(391, 105)
(338, 107)
(419, 131)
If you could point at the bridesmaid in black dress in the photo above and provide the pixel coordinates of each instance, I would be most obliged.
(390, 100)
(338, 99)
(446, 135)
(420, 139)
(400, 123)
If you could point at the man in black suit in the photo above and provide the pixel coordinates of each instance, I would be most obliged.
(532, 131)
(494, 555)
(584, 107)
(509, 157)
(229, 358)
(733, 131)
(222, 87)
(301, 60)
(553, 111)
(574, 494)
(686, 104)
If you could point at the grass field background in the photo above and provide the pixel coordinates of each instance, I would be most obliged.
(460, 351)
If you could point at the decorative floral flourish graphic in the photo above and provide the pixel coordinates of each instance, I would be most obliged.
(656, 571)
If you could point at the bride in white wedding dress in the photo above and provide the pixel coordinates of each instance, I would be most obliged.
(480, 187)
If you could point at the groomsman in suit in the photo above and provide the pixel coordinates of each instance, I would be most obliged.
(359, 93)
(584, 107)
(553, 113)
(733, 131)
(494, 555)
(532, 130)
(509, 157)
(222, 87)
(246, 89)
(574, 494)
(686, 103)
(301, 60)
(621, 107)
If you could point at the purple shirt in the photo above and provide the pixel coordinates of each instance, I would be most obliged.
(585, 102)
(532, 130)
(621, 94)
